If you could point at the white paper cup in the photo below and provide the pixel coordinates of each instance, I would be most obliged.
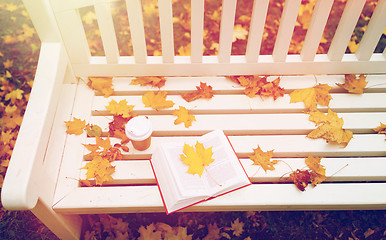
(139, 130)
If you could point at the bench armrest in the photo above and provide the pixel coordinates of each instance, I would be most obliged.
(24, 182)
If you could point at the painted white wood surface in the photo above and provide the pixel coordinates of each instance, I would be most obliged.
(228, 12)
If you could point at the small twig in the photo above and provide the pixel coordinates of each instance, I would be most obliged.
(212, 177)
(338, 171)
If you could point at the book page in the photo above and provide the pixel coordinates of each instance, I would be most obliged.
(225, 172)
(189, 185)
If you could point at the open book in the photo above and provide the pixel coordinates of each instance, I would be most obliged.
(180, 189)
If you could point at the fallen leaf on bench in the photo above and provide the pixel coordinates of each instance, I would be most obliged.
(183, 116)
(75, 126)
(353, 84)
(317, 171)
(203, 91)
(300, 178)
(93, 130)
(263, 159)
(381, 129)
(197, 158)
(259, 86)
(312, 96)
(99, 169)
(330, 128)
(104, 149)
(153, 81)
(121, 108)
(117, 128)
(101, 84)
(157, 100)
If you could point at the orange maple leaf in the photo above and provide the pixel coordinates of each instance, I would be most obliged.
(117, 128)
(353, 84)
(157, 100)
(153, 81)
(317, 171)
(330, 128)
(75, 126)
(259, 86)
(121, 108)
(263, 159)
(104, 149)
(203, 91)
(99, 169)
(380, 129)
(197, 158)
(183, 116)
(101, 84)
(312, 96)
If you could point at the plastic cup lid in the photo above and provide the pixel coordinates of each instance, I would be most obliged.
(138, 128)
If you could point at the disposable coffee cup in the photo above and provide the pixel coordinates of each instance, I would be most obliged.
(139, 130)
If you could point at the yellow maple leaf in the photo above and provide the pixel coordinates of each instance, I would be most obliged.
(312, 96)
(157, 100)
(153, 81)
(305, 14)
(239, 33)
(14, 95)
(99, 169)
(89, 17)
(121, 108)
(263, 159)
(353, 84)
(330, 128)
(183, 116)
(101, 84)
(8, 63)
(75, 126)
(185, 50)
(149, 233)
(197, 158)
(317, 171)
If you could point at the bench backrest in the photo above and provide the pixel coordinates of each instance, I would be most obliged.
(58, 20)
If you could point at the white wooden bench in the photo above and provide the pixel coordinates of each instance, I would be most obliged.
(45, 167)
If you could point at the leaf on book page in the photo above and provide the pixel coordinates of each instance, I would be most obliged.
(263, 159)
(312, 96)
(317, 171)
(330, 128)
(99, 169)
(353, 84)
(121, 108)
(75, 126)
(183, 116)
(157, 100)
(197, 158)
(101, 84)
(203, 91)
(153, 81)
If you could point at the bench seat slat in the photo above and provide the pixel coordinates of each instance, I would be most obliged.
(357, 169)
(337, 196)
(236, 104)
(235, 124)
(284, 145)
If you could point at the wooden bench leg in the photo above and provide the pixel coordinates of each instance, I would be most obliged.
(62, 225)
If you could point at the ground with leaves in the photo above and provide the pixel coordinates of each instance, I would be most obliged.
(19, 49)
